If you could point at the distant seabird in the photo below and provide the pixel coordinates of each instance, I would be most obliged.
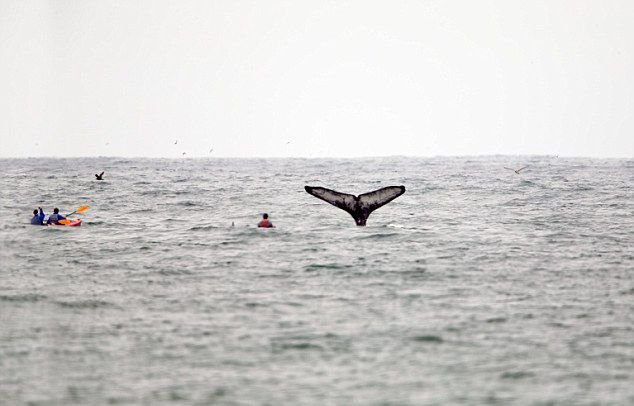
(517, 171)
(100, 176)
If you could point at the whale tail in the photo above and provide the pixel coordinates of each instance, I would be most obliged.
(360, 206)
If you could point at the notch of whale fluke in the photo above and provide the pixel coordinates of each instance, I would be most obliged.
(360, 206)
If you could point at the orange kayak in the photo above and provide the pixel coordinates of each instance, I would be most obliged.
(73, 223)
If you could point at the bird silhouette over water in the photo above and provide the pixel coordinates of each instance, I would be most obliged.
(517, 171)
(100, 176)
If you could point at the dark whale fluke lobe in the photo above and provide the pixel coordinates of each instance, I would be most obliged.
(360, 206)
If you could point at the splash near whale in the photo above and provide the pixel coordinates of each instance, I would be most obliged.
(360, 206)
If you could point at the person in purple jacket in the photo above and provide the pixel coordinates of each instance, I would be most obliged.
(55, 217)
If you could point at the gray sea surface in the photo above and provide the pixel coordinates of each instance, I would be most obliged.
(477, 286)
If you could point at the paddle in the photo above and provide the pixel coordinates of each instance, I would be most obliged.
(80, 210)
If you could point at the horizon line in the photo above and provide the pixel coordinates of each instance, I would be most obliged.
(321, 157)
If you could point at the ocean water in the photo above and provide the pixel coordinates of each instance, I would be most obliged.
(477, 286)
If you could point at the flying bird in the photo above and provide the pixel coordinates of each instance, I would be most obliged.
(100, 176)
(517, 171)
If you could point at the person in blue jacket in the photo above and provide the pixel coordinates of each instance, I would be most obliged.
(55, 217)
(38, 218)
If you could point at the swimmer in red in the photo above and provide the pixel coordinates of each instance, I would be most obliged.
(265, 222)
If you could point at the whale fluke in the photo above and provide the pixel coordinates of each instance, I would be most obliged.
(360, 206)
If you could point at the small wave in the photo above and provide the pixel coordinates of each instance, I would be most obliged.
(406, 227)
(415, 272)
(203, 228)
(56, 229)
(27, 297)
(313, 249)
(170, 272)
(133, 211)
(316, 267)
(296, 346)
(428, 339)
(379, 236)
(254, 304)
(310, 296)
(187, 204)
(514, 202)
(234, 242)
(84, 304)
(272, 276)
(517, 375)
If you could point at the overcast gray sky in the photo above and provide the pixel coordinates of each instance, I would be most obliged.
(316, 78)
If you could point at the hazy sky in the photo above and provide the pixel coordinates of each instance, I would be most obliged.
(316, 78)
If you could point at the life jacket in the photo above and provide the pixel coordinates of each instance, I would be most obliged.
(53, 218)
(264, 223)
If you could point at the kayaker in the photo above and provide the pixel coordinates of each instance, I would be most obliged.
(38, 218)
(55, 217)
(265, 223)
